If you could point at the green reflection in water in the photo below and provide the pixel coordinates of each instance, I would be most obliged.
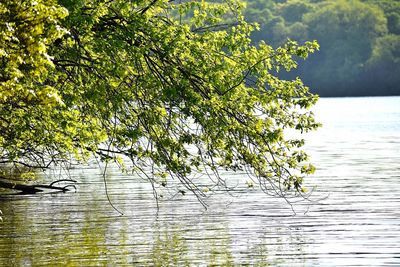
(80, 230)
(220, 254)
(45, 237)
(169, 248)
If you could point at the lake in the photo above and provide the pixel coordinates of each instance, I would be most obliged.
(353, 218)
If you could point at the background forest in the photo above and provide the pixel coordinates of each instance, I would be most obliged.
(360, 42)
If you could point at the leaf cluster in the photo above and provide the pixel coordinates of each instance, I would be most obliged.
(168, 89)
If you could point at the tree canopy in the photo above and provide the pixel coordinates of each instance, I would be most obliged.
(358, 42)
(164, 88)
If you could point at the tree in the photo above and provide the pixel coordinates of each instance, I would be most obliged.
(384, 62)
(350, 34)
(32, 111)
(174, 87)
(392, 13)
(348, 29)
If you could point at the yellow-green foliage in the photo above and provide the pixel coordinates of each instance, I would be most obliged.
(27, 28)
(172, 85)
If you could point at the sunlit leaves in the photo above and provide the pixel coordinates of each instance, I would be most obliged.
(176, 88)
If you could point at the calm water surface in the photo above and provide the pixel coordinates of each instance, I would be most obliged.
(354, 221)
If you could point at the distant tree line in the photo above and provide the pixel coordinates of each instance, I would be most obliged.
(360, 42)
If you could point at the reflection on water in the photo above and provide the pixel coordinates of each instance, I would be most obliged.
(357, 153)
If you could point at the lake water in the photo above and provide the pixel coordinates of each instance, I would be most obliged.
(353, 221)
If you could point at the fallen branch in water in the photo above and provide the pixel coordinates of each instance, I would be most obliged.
(33, 189)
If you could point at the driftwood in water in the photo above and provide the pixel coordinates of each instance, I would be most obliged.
(33, 189)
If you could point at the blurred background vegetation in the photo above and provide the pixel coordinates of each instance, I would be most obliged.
(360, 42)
